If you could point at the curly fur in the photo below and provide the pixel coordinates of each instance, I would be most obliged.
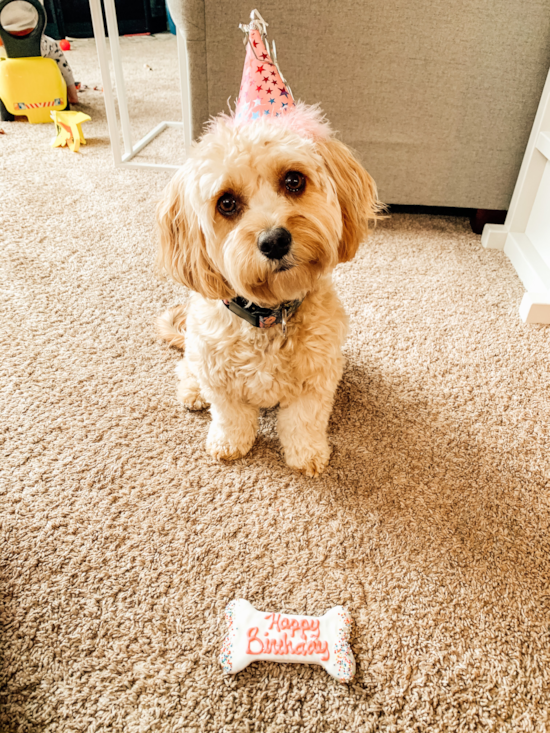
(230, 365)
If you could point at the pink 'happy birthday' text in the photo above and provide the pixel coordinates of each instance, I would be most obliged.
(282, 644)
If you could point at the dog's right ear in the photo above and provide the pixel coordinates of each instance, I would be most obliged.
(181, 250)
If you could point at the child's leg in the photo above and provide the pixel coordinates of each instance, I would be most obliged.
(50, 49)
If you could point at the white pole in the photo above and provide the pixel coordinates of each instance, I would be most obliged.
(110, 110)
(112, 27)
(185, 88)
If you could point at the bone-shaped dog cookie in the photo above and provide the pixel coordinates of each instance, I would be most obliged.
(280, 637)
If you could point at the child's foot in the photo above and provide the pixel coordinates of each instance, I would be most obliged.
(72, 94)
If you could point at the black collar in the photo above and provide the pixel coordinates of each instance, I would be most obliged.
(263, 317)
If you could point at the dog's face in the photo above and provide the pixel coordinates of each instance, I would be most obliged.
(261, 212)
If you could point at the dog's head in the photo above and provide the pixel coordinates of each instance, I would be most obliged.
(262, 210)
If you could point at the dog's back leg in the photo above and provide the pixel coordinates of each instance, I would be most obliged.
(171, 326)
(189, 391)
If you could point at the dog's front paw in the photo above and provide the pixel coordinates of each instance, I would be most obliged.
(310, 460)
(189, 395)
(194, 402)
(224, 447)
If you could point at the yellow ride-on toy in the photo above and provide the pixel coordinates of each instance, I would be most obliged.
(30, 85)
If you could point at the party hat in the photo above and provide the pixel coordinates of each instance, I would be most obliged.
(264, 91)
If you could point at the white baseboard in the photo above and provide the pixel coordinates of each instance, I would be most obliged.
(494, 236)
(535, 308)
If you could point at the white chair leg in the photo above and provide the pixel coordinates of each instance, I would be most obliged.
(101, 45)
(124, 160)
(114, 43)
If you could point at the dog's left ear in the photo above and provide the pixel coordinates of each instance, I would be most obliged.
(356, 192)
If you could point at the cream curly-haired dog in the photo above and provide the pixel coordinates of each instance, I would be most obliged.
(253, 224)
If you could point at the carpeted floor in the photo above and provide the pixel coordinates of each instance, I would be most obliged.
(122, 540)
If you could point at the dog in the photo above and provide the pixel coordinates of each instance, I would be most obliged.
(253, 224)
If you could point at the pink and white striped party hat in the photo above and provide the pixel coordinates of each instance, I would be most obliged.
(264, 91)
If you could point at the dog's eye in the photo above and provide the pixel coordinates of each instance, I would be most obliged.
(295, 182)
(227, 204)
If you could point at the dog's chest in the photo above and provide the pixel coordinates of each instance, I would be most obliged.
(252, 367)
(261, 367)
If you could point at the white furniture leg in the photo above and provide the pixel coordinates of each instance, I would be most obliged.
(525, 235)
(124, 160)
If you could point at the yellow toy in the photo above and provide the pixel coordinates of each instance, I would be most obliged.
(30, 85)
(68, 130)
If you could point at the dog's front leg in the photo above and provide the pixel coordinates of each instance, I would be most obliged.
(302, 427)
(233, 428)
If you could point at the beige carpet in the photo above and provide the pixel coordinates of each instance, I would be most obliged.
(122, 541)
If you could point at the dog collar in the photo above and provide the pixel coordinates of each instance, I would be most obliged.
(263, 317)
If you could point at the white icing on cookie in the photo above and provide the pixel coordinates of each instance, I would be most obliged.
(280, 637)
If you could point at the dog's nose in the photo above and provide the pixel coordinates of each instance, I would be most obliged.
(275, 243)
